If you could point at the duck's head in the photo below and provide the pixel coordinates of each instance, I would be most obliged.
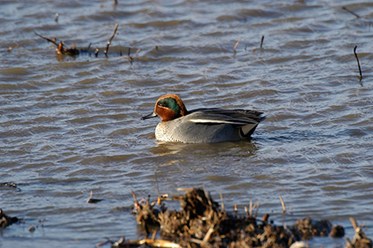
(168, 107)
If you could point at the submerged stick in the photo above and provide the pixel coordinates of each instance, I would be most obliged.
(261, 42)
(358, 64)
(351, 12)
(111, 38)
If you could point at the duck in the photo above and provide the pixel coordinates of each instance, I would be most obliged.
(203, 125)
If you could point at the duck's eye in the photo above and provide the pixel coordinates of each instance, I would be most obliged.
(169, 103)
(162, 104)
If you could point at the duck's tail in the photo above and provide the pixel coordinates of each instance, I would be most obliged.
(248, 130)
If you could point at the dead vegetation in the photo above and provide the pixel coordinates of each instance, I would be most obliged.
(358, 64)
(360, 240)
(6, 220)
(60, 46)
(202, 222)
(73, 51)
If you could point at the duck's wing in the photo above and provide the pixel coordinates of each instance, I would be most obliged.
(239, 117)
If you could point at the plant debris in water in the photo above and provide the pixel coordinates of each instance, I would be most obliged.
(91, 199)
(73, 51)
(6, 220)
(201, 222)
(10, 185)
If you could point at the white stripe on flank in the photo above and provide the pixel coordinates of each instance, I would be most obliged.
(216, 121)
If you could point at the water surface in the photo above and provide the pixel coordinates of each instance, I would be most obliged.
(69, 126)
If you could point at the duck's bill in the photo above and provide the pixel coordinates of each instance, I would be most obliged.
(151, 115)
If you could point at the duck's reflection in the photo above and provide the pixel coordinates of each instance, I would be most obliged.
(243, 148)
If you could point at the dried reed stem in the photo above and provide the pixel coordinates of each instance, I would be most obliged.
(351, 12)
(111, 38)
(354, 224)
(236, 45)
(47, 39)
(282, 204)
(222, 201)
(261, 42)
(358, 64)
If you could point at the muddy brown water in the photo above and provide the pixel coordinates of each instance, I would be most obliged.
(69, 126)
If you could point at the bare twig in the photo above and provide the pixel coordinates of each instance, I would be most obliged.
(236, 45)
(91, 199)
(154, 234)
(261, 42)
(358, 64)
(360, 236)
(53, 41)
(246, 211)
(235, 209)
(56, 16)
(351, 12)
(265, 218)
(137, 52)
(282, 204)
(251, 207)
(354, 224)
(136, 204)
(111, 38)
(208, 234)
(222, 202)
(135, 201)
(207, 197)
(197, 241)
(256, 206)
(130, 58)
(72, 51)
(349, 243)
(103, 243)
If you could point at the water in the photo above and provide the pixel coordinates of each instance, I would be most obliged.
(69, 126)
